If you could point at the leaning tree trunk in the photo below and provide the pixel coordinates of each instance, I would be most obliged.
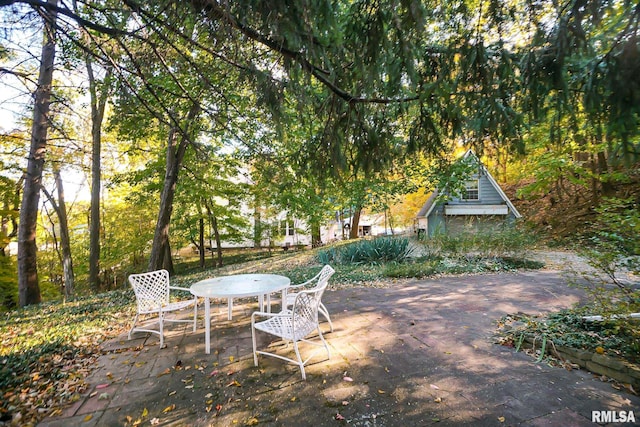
(28, 287)
(175, 154)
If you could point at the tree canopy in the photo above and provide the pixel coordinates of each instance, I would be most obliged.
(323, 100)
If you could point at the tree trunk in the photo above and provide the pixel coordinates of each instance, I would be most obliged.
(355, 221)
(167, 262)
(316, 239)
(175, 154)
(201, 241)
(257, 227)
(390, 217)
(65, 241)
(216, 235)
(98, 103)
(28, 287)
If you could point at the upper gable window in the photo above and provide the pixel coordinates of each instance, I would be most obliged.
(471, 190)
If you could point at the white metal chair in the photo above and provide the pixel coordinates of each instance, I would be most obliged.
(153, 298)
(293, 325)
(324, 275)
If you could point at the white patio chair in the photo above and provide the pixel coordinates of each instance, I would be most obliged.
(293, 325)
(153, 298)
(324, 275)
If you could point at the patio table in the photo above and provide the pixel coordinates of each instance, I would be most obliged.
(237, 286)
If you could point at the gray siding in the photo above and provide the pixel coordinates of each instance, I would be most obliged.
(488, 195)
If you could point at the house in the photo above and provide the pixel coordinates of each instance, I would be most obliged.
(481, 205)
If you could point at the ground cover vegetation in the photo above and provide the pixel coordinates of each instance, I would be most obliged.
(611, 247)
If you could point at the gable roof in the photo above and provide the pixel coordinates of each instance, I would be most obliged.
(428, 206)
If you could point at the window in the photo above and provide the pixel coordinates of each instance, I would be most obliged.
(471, 190)
(286, 228)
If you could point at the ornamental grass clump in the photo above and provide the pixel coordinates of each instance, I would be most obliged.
(374, 251)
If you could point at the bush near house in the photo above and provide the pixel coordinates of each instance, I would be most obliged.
(375, 251)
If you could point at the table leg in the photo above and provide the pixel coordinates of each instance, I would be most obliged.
(284, 300)
(230, 308)
(207, 325)
(260, 302)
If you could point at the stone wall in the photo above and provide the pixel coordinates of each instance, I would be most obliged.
(601, 364)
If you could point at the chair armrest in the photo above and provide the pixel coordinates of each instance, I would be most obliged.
(178, 288)
(303, 284)
(283, 313)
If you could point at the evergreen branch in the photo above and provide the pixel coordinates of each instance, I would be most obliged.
(214, 11)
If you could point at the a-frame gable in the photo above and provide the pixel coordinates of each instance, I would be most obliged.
(430, 204)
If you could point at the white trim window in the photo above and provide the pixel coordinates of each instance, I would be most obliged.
(471, 190)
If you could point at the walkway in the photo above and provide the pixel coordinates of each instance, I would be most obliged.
(416, 353)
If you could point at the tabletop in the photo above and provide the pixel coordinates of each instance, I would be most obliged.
(240, 285)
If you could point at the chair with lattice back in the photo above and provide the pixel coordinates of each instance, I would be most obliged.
(324, 275)
(294, 325)
(153, 297)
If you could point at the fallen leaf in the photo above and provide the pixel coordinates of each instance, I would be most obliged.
(381, 391)
(435, 387)
(104, 396)
(345, 402)
(349, 379)
(154, 421)
(501, 419)
(293, 399)
(253, 421)
(171, 393)
(145, 413)
(87, 417)
(208, 396)
(234, 383)
(165, 372)
(101, 386)
(214, 372)
(231, 358)
(339, 417)
(438, 400)
(169, 408)
(109, 375)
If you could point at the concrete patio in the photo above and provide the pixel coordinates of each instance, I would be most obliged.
(413, 353)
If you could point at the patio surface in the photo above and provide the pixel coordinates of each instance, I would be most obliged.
(415, 353)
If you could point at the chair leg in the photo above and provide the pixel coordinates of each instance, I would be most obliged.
(323, 310)
(135, 320)
(300, 363)
(253, 340)
(161, 321)
(195, 313)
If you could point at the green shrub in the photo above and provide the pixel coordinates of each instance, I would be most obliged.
(375, 251)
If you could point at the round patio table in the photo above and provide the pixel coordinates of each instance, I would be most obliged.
(237, 286)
